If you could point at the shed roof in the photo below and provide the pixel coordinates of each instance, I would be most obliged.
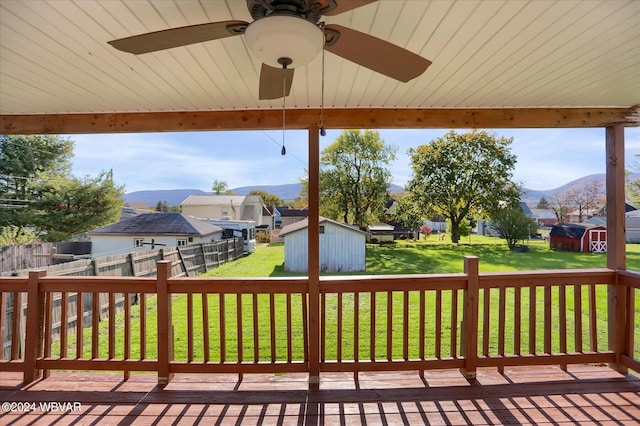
(571, 230)
(303, 224)
(159, 224)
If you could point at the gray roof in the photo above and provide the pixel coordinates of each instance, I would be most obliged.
(304, 223)
(159, 224)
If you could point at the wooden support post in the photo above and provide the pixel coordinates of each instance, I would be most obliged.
(314, 258)
(616, 244)
(34, 326)
(165, 328)
(469, 337)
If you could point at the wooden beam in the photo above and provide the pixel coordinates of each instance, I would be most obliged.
(346, 118)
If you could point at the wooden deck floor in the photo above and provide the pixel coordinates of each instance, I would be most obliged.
(532, 395)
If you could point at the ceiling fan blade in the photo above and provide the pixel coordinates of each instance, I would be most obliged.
(272, 80)
(182, 36)
(346, 5)
(374, 53)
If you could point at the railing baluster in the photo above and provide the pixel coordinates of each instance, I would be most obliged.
(593, 318)
(389, 325)
(289, 328)
(502, 296)
(272, 322)
(339, 330)
(223, 328)
(532, 320)
(205, 328)
(438, 343)
(16, 321)
(517, 321)
(95, 325)
(422, 329)
(190, 335)
(547, 319)
(323, 326)
(239, 326)
(79, 325)
(486, 326)
(454, 324)
(577, 300)
(112, 325)
(305, 325)
(405, 326)
(562, 318)
(356, 326)
(48, 329)
(127, 332)
(254, 310)
(372, 328)
(143, 326)
(64, 323)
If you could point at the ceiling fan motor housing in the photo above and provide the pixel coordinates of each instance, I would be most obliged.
(284, 36)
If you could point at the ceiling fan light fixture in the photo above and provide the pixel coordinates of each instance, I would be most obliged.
(284, 36)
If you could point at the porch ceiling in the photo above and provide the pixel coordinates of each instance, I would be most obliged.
(54, 58)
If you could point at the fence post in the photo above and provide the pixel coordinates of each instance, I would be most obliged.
(34, 327)
(165, 328)
(469, 337)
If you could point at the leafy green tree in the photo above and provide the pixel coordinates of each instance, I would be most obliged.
(267, 198)
(221, 187)
(406, 213)
(22, 158)
(68, 206)
(354, 177)
(462, 175)
(41, 197)
(513, 225)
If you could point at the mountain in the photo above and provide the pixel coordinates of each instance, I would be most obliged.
(291, 191)
(285, 192)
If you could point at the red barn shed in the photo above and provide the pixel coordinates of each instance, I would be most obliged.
(579, 237)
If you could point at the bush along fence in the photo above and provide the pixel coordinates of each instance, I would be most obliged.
(185, 261)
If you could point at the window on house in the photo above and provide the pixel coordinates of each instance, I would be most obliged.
(322, 229)
(181, 242)
(138, 242)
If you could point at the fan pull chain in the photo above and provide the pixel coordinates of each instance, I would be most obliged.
(323, 132)
(284, 104)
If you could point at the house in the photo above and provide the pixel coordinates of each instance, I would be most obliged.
(633, 228)
(545, 218)
(289, 216)
(342, 246)
(578, 237)
(151, 230)
(232, 207)
(381, 232)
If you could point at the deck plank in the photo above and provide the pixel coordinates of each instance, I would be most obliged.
(523, 395)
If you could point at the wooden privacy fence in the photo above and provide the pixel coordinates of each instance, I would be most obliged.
(184, 261)
(363, 323)
(30, 256)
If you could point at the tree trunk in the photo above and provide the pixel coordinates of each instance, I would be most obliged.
(455, 232)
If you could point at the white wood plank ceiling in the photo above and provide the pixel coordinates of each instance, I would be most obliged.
(54, 57)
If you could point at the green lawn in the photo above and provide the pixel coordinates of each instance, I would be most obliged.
(404, 257)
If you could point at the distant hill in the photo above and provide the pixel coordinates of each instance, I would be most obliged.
(285, 192)
(291, 191)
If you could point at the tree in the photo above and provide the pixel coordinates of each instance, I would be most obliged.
(68, 206)
(633, 186)
(462, 175)
(267, 198)
(22, 158)
(543, 204)
(44, 198)
(354, 177)
(561, 208)
(584, 199)
(513, 225)
(426, 231)
(162, 207)
(221, 187)
(406, 213)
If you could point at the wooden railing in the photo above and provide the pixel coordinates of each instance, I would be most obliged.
(364, 323)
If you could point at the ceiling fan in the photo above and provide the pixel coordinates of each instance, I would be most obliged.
(286, 34)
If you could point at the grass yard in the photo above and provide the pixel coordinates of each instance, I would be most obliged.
(405, 257)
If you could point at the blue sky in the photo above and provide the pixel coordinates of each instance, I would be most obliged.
(547, 158)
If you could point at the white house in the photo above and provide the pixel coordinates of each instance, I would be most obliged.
(342, 247)
(151, 231)
(232, 207)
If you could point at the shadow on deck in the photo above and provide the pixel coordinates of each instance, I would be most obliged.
(523, 395)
